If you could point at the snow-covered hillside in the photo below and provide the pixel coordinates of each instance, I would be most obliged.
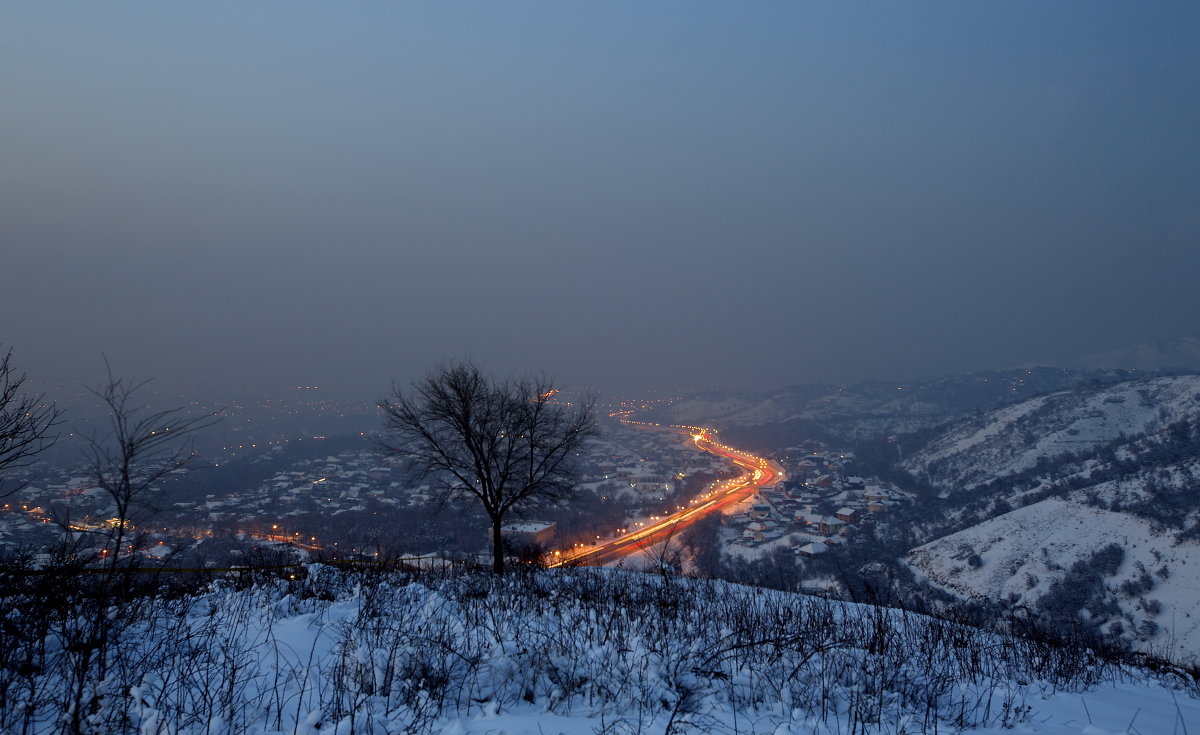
(1026, 556)
(570, 651)
(1015, 438)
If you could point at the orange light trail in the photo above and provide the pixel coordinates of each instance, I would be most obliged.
(757, 473)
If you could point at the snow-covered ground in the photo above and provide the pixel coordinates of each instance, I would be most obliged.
(1014, 438)
(566, 651)
(1023, 553)
(1109, 709)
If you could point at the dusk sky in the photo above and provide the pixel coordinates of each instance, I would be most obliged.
(625, 195)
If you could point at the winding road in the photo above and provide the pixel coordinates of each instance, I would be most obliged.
(756, 473)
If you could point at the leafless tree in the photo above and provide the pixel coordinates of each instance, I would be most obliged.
(507, 443)
(141, 447)
(27, 422)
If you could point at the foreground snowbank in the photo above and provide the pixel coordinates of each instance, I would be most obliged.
(571, 651)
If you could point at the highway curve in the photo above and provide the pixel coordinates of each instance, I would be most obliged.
(756, 473)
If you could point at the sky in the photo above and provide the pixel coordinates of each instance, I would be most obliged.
(629, 196)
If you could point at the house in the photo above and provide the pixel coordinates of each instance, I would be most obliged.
(879, 506)
(530, 533)
(804, 468)
(876, 493)
(829, 525)
(761, 509)
(849, 515)
(812, 550)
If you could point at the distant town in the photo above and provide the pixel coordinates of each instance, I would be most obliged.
(339, 496)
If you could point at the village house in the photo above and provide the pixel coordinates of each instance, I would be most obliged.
(876, 493)
(760, 510)
(811, 550)
(879, 506)
(829, 525)
(849, 515)
(530, 533)
(805, 468)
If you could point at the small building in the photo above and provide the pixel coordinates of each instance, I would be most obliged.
(529, 533)
(876, 493)
(879, 506)
(849, 515)
(811, 550)
(829, 525)
(804, 468)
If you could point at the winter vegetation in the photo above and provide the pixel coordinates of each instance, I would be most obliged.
(1046, 543)
(1020, 501)
(316, 649)
(1016, 438)
(1062, 558)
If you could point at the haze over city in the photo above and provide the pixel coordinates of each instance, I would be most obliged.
(627, 367)
(625, 196)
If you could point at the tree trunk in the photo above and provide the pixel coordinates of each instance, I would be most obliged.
(497, 547)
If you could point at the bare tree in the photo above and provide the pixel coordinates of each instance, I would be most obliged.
(129, 460)
(507, 443)
(27, 422)
(140, 449)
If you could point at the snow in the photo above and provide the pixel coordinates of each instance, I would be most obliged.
(527, 527)
(998, 423)
(1042, 540)
(587, 651)
(1012, 439)
(1123, 709)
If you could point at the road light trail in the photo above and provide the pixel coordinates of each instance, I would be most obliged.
(756, 473)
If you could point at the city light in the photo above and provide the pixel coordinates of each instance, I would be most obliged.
(758, 473)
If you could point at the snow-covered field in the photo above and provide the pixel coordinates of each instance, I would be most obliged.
(566, 651)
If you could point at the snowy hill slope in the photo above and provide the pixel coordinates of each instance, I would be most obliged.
(1043, 556)
(571, 651)
(1016, 438)
(1104, 482)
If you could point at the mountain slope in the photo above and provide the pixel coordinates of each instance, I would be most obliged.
(1017, 438)
(1123, 575)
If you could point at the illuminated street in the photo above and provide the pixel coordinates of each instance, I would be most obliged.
(756, 473)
